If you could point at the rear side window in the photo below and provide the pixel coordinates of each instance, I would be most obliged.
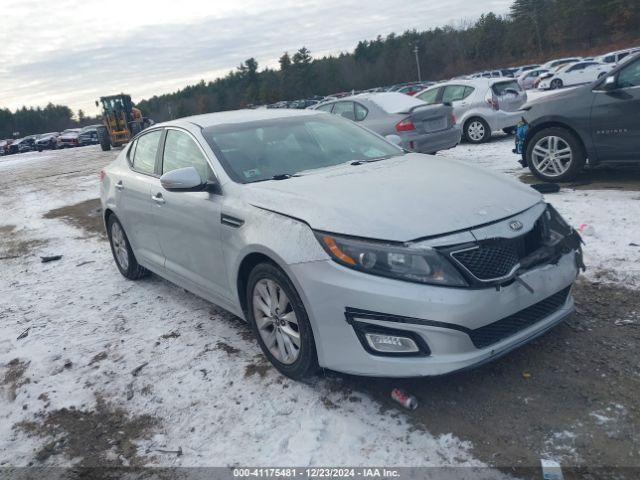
(326, 108)
(360, 112)
(501, 88)
(181, 151)
(455, 93)
(344, 109)
(146, 148)
(429, 96)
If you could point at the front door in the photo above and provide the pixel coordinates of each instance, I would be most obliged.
(615, 117)
(188, 223)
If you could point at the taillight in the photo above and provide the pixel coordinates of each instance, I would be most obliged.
(493, 102)
(453, 119)
(102, 175)
(405, 125)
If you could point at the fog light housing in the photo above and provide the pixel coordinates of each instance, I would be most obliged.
(382, 342)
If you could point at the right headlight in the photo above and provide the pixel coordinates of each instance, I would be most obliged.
(413, 264)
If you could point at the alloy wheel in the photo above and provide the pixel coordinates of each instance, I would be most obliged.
(120, 246)
(552, 156)
(475, 131)
(276, 321)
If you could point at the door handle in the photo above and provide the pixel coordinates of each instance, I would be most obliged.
(119, 185)
(158, 198)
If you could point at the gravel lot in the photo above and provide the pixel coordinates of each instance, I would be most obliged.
(72, 394)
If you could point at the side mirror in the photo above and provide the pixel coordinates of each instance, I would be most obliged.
(182, 179)
(610, 83)
(395, 139)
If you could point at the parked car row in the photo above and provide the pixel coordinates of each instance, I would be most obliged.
(71, 137)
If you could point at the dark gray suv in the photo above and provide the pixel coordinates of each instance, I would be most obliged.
(595, 124)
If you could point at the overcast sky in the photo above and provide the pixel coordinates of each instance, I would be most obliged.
(74, 51)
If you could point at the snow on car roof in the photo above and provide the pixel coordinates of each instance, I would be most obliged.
(392, 102)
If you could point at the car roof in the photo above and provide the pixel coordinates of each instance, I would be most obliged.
(238, 116)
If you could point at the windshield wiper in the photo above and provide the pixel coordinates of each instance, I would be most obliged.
(284, 176)
(371, 160)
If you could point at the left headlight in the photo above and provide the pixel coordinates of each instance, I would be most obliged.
(412, 264)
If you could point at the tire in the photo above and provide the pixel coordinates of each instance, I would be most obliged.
(566, 166)
(120, 246)
(477, 130)
(267, 323)
(556, 83)
(103, 139)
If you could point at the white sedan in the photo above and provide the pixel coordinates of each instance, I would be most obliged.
(574, 73)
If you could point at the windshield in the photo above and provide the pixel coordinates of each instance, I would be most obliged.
(262, 150)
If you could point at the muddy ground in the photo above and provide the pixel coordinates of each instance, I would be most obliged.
(562, 394)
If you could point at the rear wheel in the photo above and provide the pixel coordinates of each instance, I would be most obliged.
(122, 252)
(477, 130)
(555, 155)
(280, 322)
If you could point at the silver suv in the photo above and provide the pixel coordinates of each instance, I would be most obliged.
(480, 105)
(340, 249)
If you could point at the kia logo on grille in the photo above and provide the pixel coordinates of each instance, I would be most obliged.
(516, 225)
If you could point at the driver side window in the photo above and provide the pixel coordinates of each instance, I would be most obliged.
(181, 151)
(630, 76)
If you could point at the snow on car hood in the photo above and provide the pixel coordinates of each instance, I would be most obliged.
(399, 199)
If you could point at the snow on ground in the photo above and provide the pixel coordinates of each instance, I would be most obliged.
(204, 381)
(608, 217)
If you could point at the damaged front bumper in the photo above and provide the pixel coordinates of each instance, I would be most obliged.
(456, 328)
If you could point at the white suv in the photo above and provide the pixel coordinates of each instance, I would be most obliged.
(480, 105)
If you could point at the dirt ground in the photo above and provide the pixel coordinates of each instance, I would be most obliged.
(564, 391)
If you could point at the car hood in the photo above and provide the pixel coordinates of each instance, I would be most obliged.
(400, 199)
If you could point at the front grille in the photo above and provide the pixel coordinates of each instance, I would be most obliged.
(496, 258)
(489, 334)
(490, 261)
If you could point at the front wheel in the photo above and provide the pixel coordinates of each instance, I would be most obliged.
(476, 130)
(122, 252)
(280, 322)
(555, 155)
(556, 83)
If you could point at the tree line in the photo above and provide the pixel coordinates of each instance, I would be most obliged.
(532, 31)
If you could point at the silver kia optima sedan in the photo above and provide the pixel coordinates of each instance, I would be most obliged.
(340, 249)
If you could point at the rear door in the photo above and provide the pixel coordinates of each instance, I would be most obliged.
(458, 96)
(615, 117)
(133, 198)
(188, 223)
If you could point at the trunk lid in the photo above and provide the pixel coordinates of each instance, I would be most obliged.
(431, 118)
